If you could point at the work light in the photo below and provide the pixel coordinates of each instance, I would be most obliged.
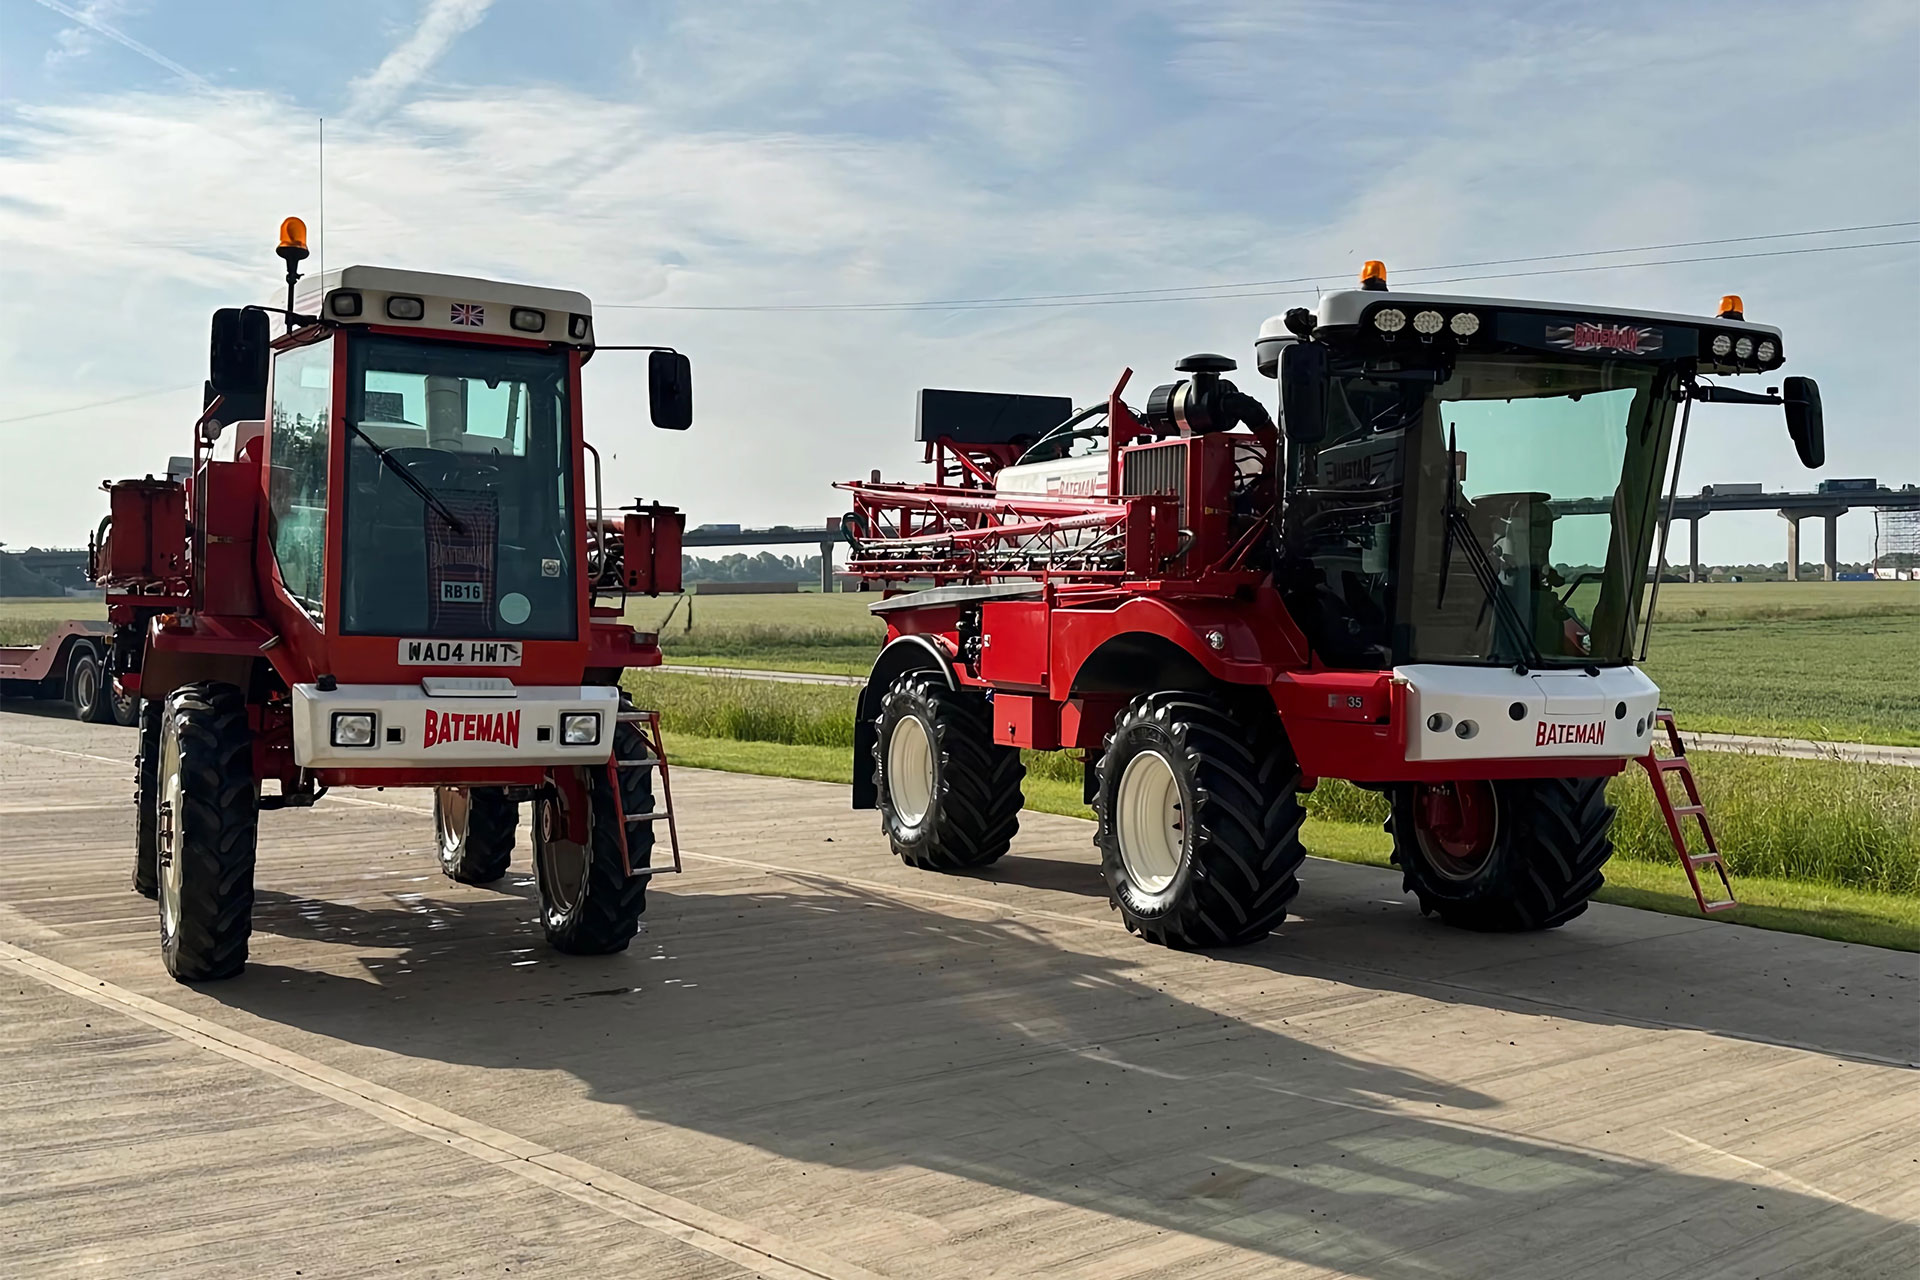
(1390, 320)
(580, 728)
(1722, 344)
(404, 308)
(1427, 322)
(528, 319)
(1764, 351)
(352, 729)
(1743, 348)
(1465, 324)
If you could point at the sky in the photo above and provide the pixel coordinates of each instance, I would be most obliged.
(670, 158)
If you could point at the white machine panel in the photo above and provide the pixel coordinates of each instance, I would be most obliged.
(414, 728)
(1468, 713)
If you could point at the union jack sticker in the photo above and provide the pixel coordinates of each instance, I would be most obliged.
(469, 313)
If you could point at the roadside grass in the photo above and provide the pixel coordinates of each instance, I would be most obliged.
(1808, 836)
(28, 622)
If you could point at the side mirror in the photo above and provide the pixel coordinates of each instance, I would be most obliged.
(1804, 422)
(237, 363)
(670, 390)
(1303, 392)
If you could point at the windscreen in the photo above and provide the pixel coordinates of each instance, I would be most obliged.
(458, 506)
(1498, 510)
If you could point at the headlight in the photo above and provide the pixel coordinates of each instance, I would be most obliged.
(1465, 324)
(1722, 344)
(580, 728)
(577, 327)
(1427, 322)
(352, 729)
(1390, 320)
(401, 308)
(344, 303)
(1743, 348)
(527, 319)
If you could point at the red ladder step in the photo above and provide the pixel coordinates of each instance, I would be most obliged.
(656, 754)
(1658, 767)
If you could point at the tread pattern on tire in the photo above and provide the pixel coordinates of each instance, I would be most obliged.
(486, 851)
(975, 810)
(1246, 850)
(146, 799)
(1557, 835)
(214, 833)
(608, 913)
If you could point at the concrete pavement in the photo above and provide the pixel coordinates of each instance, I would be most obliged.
(818, 1062)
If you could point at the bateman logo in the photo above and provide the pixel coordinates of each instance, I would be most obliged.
(1592, 733)
(1627, 339)
(487, 726)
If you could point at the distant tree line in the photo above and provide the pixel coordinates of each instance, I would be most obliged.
(761, 567)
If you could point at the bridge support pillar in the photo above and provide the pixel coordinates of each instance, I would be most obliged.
(1793, 544)
(1693, 549)
(826, 560)
(1833, 546)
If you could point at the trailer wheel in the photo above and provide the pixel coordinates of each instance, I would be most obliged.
(474, 828)
(146, 799)
(126, 706)
(88, 688)
(588, 906)
(1199, 818)
(1503, 856)
(949, 798)
(208, 816)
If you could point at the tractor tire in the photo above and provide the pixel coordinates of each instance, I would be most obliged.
(949, 798)
(146, 799)
(89, 688)
(1503, 857)
(474, 829)
(588, 905)
(1199, 815)
(208, 819)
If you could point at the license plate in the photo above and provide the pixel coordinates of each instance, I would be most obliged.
(459, 653)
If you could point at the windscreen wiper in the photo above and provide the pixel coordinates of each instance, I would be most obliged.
(1457, 526)
(409, 479)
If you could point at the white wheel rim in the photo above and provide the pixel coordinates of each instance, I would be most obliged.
(910, 770)
(1150, 823)
(86, 683)
(167, 834)
(451, 808)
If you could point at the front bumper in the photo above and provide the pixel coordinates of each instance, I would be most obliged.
(1493, 713)
(413, 729)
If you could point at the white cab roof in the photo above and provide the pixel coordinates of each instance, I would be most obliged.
(451, 304)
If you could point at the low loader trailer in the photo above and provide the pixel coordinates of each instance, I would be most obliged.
(395, 570)
(70, 666)
(1428, 577)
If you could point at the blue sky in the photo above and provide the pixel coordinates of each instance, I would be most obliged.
(717, 154)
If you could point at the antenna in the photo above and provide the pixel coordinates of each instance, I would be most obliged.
(323, 202)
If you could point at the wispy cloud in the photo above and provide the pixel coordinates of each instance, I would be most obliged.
(443, 22)
(92, 17)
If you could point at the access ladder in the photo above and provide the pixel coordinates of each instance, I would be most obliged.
(655, 753)
(1658, 767)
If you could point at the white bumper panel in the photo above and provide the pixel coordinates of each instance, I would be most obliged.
(413, 729)
(1562, 713)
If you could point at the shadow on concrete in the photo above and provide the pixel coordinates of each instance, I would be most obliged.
(856, 1031)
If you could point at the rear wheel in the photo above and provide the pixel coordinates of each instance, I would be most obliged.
(1503, 856)
(146, 798)
(474, 828)
(208, 816)
(589, 906)
(949, 797)
(1199, 821)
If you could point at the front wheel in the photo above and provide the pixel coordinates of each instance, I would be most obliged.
(1507, 856)
(474, 829)
(589, 906)
(207, 820)
(1199, 817)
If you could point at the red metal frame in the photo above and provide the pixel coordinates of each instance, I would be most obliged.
(1658, 767)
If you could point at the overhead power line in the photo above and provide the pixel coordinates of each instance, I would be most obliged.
(1203, 292)
(94, 404)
